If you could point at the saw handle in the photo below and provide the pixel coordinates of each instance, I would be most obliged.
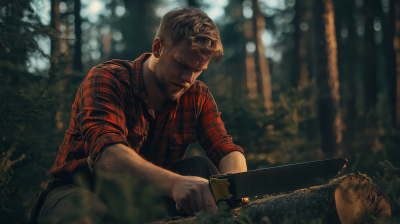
(219, 186)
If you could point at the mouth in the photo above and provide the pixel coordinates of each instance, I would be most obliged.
(179, 87)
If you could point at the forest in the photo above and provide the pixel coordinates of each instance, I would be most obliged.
(299, 81)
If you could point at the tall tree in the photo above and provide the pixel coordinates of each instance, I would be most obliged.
(234, 41)
(324, 53)
(347, 55)
(55, 17)
(139, 37)
(251, 71)
(396, 42)
(20, 100)
(78, 66)
(350, 71)
(301, 51)
(371, 81)
(263, 72)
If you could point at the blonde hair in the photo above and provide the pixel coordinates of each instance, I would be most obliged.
(193, 25)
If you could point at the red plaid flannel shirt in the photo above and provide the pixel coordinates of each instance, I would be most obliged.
(111, 107)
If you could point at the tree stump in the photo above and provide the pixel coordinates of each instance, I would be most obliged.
(348, 199)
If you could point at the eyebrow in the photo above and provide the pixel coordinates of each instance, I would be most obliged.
(184, 63)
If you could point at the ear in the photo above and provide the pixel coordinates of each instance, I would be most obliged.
(156, 47)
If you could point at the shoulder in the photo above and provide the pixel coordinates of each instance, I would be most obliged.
(120, 70)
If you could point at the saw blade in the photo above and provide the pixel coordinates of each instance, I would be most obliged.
(285, 178)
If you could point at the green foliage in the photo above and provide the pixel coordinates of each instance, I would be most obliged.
(5, 175)
(289, 135)
(7, 163)
(28, 104)
(127, 200)
(19, 26)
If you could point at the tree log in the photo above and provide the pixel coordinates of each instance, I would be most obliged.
(348, 199)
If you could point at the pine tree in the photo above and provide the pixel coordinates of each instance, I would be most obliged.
(20, 93)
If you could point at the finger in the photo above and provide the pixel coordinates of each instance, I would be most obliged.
(186, 209)
(209, 201)
(192, 206)
(200, 202)
(179, 208)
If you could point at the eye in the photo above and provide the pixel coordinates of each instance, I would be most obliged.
(180, 64)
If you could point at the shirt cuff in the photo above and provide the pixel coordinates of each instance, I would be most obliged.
(224, 149)
(101, 143)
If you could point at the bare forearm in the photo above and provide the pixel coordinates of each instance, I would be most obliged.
(122, 160)
(233, 162)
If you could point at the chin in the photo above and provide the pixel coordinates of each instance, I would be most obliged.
(175, 96)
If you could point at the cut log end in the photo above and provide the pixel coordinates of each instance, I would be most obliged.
(357, 200)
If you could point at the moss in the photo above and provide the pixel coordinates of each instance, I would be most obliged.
(211, 218)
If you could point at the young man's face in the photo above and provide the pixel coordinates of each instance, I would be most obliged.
(177, 69)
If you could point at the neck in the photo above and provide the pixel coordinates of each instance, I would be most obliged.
(153, 93)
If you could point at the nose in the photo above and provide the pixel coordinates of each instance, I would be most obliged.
(188, 76)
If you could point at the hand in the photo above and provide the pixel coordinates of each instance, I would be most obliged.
(192, 194)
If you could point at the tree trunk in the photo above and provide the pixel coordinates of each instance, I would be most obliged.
(304, 48)
(263, 65)
(348, 199)
(138, 38)
(234, 42)
(371, 81)
(251, 71)
(78, 66)
(263, 76)
(347, 61)
(55, 24)
(396, 43)
(324, 50)
(300, 71)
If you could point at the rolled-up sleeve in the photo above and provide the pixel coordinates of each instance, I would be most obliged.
(101, 116)
(212, 135)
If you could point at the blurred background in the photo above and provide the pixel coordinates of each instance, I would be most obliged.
(300, 80)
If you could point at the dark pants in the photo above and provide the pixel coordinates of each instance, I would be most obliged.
(69, 203)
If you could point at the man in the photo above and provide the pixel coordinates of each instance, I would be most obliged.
(137, 118)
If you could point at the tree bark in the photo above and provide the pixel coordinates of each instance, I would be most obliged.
(348, 199)
(324, 52)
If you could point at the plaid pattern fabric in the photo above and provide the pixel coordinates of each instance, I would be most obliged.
(111, 107)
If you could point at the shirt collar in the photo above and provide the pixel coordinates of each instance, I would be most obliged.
(138, 81)
(137, 77)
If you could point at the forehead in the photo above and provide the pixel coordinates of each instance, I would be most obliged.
(184, 53)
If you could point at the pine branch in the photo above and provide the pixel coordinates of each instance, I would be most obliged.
(8, 119)
(7, 163)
